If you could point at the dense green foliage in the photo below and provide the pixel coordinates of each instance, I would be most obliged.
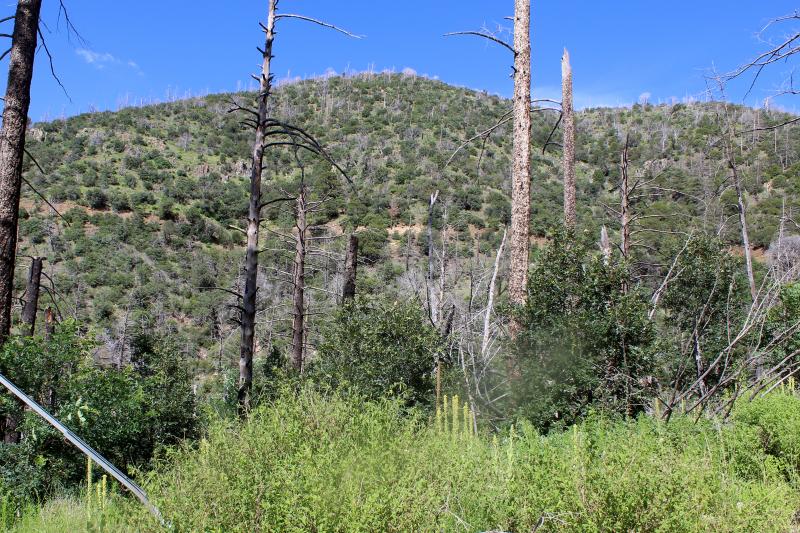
(125, 413)
(584, 340)
(337, 464)
(380, 347)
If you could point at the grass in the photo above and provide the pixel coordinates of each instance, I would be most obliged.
(314, 463)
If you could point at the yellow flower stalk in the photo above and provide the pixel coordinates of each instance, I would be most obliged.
(456, 416)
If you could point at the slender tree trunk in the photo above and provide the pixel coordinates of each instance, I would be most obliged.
(568, 121)
(299, 280)
(698, 361)
(49, 328)
(605, 245)
(519, 241)
(624, 203)
(248, 320)
(443, 267)
(350, 269)
(32, 294)
(490, 301)
(432, 307)
(748, 255)
(12, 147)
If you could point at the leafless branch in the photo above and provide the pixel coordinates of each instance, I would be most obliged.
(485, 35)
(315, 21)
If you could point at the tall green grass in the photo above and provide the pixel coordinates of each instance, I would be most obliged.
(308, 462)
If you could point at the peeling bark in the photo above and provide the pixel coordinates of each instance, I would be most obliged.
(12, 147)
(568, 120)
(519, 239)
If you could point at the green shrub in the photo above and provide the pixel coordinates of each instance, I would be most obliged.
(125, 414)
(584, 340)
(379, 347)
(307, 462)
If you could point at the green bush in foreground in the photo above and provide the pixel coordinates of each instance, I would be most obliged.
(308, 463)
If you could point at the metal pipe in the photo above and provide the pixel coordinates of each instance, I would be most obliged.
(85, 448)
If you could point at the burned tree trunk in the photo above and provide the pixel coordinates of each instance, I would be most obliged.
(248, 314)
(49, 323)
(12, 147)
(568, 119)
(298, 282)
(32, 294)
(350, 269)
(519, 240)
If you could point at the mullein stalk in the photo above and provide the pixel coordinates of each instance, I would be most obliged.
(454, 405)
(88, 486)
(444, 414)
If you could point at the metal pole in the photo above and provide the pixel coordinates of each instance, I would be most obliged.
(85, 448)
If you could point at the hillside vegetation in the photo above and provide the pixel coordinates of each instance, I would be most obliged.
(339, 464)
(153, 195)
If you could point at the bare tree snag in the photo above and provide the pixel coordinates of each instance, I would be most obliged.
(12, 147)
(49, 323)
(519, 240)
(568, 119)
(624, 203)
(298, 283)
(32, 294)
(266, 129)
(350, 269)
(432, 307)
(748, 254)
(490, 300)
(605, 245)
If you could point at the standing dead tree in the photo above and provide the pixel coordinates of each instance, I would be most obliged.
(634, 193)
(728, 140)
(265, 130)
(304, 206)
(519, 235)
(32, 294)
(430, 294)
(350, 269)
(12, 146)
(519, 238)
(568, 118)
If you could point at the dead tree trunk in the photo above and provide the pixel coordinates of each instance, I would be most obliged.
(568, 119)
(32, 294)
(432, 307)
(298, 282)
(350, 269)
(49, 323)
(12, 147)
(748, 254)
(519, 241)
(624, 204)
(490, 300)
(49, 329)
(605, 245)
(248, 312)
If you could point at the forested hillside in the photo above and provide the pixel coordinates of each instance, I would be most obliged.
(152, 197)
(379, 302)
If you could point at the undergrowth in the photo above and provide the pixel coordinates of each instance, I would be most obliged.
(309, 462)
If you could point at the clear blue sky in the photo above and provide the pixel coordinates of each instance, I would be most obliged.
(620, 49)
